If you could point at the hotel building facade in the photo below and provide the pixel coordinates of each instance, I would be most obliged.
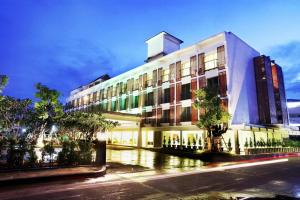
(154, 102)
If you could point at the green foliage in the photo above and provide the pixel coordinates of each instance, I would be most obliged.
(3, 83)
(87, 124)
(246, 143)
(85, 153)
(68, 155)
(48, 109)
(48, 149)
(32, 156)
(291, 143)
(11, 152)
(251, 143)
(212, 114)
(14, 113)
(229, 143)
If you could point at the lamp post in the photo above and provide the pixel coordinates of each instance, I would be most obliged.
(100, 145)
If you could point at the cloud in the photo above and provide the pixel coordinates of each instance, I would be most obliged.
(64, 65)
(287, 56)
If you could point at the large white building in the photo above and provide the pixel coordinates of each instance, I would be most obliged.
(159, 97)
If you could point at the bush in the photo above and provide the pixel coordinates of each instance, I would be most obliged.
(68, 155)
(85, 153)
(48, 149)
(32, 156)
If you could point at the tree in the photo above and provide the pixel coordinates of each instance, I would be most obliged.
(48, 109)
(3, 83)
(213, 117)
(84, 125)
(14, 114)
(78, 129)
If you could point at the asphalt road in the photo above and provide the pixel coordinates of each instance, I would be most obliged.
(239, 181)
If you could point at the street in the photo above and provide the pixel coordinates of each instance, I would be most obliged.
(238, 180)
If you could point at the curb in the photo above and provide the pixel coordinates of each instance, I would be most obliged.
(39, 179)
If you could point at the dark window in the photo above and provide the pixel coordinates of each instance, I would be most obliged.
(185, 114)
(166, 96)
(149, 99)
(148, 118)
(213, 83)
(165, 116)
(186, 91)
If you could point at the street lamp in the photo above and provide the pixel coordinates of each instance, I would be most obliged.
(100, 145)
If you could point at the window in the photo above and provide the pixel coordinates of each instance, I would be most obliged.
(149, 99)
(185, 114)
(166, 75)
(186, 91)
(210, 60)
(148, 117)
(221, 56)
(185, 69)
(213, 83)
(123, 105)
(165, 116)
(135, 102)
(136, 84)
(94, 96)
(193, 63)
(113, 106)
(149, 79)
(166, 95)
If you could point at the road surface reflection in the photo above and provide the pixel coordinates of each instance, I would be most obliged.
(151, 160)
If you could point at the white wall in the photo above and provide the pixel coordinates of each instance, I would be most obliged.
(155, 45)
(241, 81)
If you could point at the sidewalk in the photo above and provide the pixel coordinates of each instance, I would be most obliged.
(36, 175)
(42, 175)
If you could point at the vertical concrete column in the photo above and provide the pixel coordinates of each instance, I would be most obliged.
(100, 153)
(139, 142)
(180, 138)
(157, 139)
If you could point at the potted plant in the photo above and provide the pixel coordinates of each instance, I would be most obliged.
(194, 143)
(200, 143)
(164, 142)
(189, 143)
(229, 145)
(169, 142)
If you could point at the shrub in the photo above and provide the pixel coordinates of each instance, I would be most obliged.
(85, 153)
(68, 155)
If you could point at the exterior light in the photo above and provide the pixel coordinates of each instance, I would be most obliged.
(23, 130)
(53, 129)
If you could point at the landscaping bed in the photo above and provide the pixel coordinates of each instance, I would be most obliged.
(219, 156)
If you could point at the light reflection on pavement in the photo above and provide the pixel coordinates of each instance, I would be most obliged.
(152, 160)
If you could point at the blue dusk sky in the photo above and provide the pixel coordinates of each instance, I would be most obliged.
(67, 43)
